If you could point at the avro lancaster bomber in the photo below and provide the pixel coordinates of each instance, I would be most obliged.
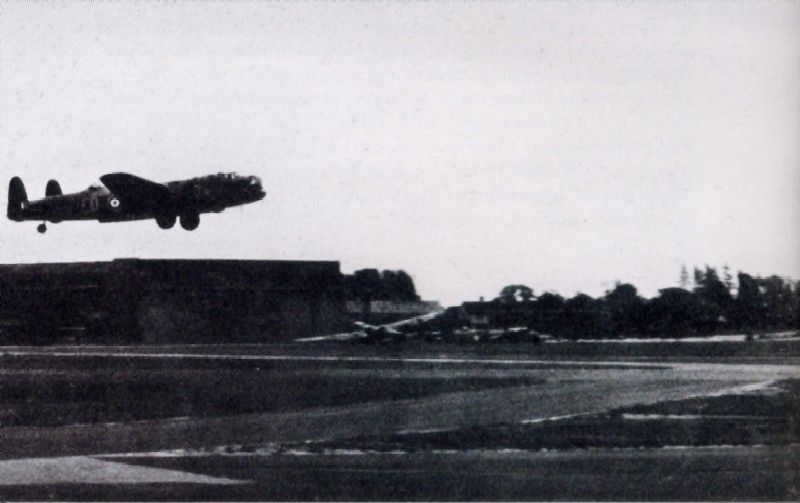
(124, 197)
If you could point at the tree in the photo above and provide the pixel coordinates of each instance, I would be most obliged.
(515, 293)
(624, 309)
(715, 296)
(547, 311)
(513, 307)
(778, 302)
(683, 282)
(585, 317)
(398, 285)
(710, 274)
(726, 277)
(365, 284)
(623, 294)
(678, 312)
(550, 300)
(406, 286)
(698, 276)
(796, 306)
(749, 312)
(387, 285)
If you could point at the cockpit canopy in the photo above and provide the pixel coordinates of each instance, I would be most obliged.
(253, 181)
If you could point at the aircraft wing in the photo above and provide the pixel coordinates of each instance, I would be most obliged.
(340, 337)
(413, 321)
(136, 190)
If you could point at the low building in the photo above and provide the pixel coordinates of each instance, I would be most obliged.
(161, 301)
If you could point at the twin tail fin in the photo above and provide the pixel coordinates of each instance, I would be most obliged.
(17, 198)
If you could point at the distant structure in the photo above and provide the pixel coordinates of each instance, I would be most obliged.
(160, 301)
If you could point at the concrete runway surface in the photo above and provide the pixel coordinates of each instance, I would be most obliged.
(199, 456)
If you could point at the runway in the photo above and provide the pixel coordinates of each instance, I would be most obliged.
(205, 423)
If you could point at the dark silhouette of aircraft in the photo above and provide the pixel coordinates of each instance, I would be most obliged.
(124, 197)
(388, 332)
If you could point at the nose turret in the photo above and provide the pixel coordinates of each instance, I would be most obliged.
(254, 187)
(239, 189)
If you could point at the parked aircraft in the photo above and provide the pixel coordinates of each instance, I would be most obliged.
(124, 197)
(389, 332)
(429, 327)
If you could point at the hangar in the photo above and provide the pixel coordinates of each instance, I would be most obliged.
(161, 301)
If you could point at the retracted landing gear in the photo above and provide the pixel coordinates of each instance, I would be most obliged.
(42, 228)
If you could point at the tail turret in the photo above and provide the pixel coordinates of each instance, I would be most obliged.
(17, 197)
(53, 189)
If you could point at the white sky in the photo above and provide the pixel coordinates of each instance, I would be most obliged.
(564, 146)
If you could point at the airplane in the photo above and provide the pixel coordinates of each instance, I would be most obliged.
(387, 332)
(124, 197)
(424, 326)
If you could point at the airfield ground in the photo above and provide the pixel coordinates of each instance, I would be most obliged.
(714, 420)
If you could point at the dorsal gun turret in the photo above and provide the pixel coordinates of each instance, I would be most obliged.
(53, 189)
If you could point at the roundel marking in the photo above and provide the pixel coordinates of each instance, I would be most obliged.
(114, 202)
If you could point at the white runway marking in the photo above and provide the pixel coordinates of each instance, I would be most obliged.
(87, 470)
(549, 419)
(704, 370)
(690, 417)
(758, 388)
(779, 336)
(370, 359)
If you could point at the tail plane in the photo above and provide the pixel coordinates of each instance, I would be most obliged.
(17, 197)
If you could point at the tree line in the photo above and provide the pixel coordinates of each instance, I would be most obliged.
(370, 284)
(712, 305)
